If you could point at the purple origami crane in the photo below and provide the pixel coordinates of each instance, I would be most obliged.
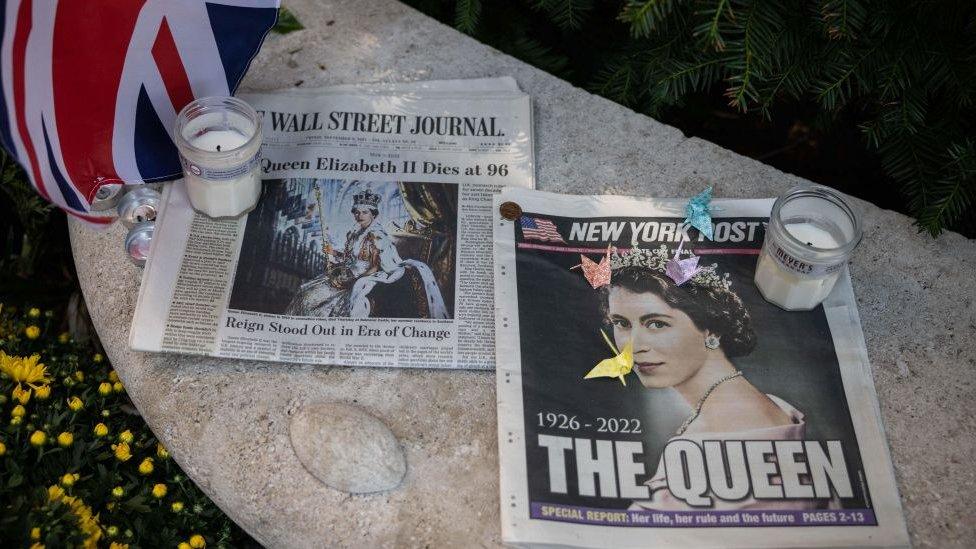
(682, 270)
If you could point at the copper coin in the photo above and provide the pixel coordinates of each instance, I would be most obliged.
(510, 211)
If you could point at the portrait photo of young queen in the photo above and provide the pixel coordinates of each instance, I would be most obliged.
(686, 339)
(351, 249)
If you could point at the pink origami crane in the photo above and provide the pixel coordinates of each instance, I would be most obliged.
(682, 270)
(597, 274)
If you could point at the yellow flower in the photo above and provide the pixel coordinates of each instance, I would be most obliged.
(159, 490)
(116, 545)
(27, 370)
(97, 358)
(75, 403)
(20, 394)
(63, 337)
(100, 430)
(37, 545)
(177, 506)
(87, 521)
(18, 411)
(118, 491)
(32, 332)
(112, 531)
(110, 506)
(35, 533)
(161, 451)
(122, 452)
(183, 545)
(80, 376)
(69, 479)
(66, 439)
(34, 312)
(3, 448)
(16, 420)
(112, 376)
(126, 436)
(105, 388)
(43, 392)
(197, 541)
(54, 493)
(146, 467)
(117, 387)
(38, 438)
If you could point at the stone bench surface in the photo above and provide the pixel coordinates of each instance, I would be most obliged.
(226, 421)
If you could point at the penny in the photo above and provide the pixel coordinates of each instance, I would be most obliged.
(510, 211)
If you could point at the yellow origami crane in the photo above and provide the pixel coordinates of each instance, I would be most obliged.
(618, 366)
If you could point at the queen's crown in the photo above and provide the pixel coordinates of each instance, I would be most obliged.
(366, 198)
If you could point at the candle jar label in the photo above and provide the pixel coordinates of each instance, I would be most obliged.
(800, 267)
(222, 173)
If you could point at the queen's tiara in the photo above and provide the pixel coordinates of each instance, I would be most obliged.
(658, 258)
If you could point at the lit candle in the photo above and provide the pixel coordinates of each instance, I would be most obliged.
(810, 236)
(219, 139)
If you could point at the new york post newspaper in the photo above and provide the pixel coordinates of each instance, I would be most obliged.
(738, 424)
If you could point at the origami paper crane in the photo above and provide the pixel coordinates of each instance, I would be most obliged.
(597, 274)
(618, 366)
(682, 270)
(699, 212)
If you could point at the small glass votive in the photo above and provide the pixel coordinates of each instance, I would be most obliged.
(811, 234)
(219, 140)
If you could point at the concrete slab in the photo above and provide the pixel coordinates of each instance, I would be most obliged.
(226, 422)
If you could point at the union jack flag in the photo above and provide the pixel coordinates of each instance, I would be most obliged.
(90, 88)
(534, 228)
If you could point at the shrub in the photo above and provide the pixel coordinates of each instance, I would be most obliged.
(904, 71)
(78, 466)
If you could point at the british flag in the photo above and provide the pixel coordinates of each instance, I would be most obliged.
(90, 88)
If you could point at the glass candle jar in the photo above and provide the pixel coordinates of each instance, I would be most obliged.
(810, 236)
(219, 139)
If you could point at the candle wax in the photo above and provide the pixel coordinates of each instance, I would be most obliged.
(790, 290)
(812, 235)
(226, 140)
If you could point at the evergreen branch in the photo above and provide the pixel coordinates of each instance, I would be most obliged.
(466, 15)
(644, 15)
(617, 82)
(710, 29)
(843, 18)
(567, 14)
(955, 193)
(838, 89)
(755, 39)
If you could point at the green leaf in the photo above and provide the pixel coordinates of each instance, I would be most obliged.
(287, 22)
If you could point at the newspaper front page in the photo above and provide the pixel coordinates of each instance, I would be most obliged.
(788, 453)
(367, 247)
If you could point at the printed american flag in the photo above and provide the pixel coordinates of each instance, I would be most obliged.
(534, 228)
(90, 88)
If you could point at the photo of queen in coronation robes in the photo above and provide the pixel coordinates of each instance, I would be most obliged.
(351, 249)
(368, 259)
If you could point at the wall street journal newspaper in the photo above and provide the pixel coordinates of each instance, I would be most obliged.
(787, 448)
(368, 245)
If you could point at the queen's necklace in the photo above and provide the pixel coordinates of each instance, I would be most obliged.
(701, 402)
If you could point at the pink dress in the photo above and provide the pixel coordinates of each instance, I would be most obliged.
(662, 500)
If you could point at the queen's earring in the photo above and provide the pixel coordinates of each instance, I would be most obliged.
(712, 341)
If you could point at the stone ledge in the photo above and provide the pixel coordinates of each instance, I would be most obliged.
(226, 422)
